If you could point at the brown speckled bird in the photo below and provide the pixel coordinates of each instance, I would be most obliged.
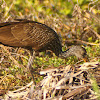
(35, 36)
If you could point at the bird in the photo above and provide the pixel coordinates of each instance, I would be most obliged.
(36, 36)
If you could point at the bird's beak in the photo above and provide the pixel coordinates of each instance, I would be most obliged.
(86, 59)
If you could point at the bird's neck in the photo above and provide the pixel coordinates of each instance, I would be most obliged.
(65, 54)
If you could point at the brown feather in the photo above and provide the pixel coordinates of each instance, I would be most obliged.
(30, 34)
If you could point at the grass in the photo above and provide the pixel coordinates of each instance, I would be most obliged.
(70, 20)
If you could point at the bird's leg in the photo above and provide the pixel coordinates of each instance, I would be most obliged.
(29, 66)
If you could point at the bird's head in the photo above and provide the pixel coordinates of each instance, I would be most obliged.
(77, 51)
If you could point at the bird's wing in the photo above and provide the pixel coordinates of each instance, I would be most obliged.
(4, 24)
(26, 34)
(6, 36)
(14, 33)
(22, 32)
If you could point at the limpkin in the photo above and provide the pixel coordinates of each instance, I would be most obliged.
(35, 36)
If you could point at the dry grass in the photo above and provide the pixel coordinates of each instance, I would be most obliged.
(69, 82)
